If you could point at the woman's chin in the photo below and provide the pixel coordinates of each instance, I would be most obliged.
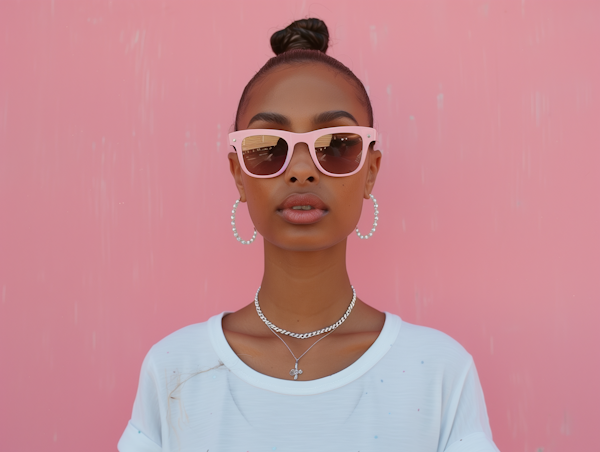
(305, 242)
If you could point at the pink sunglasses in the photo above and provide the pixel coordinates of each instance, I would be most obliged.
(336, 151)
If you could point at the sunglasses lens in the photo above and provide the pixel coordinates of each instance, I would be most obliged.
(339, 153)
(264, 154)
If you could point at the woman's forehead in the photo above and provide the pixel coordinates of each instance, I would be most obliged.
(302, 91)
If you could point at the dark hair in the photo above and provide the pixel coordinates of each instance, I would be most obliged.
(304, 41)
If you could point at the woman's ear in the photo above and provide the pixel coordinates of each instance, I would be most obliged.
(373, 163)
(236, 172)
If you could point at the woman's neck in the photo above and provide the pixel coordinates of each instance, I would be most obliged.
(303, 291)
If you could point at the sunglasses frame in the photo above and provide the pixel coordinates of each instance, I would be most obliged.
(368, 135)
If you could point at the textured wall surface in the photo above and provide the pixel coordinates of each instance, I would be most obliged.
(115, 196)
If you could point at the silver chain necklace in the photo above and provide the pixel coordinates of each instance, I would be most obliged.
(329, 329)
(295, 371)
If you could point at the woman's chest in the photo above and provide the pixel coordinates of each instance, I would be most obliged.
(372, 413)
(309, 359)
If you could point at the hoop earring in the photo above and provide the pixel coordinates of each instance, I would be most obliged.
(235, 232)
(370, 234)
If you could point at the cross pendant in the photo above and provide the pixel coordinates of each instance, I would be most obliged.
(295, 371)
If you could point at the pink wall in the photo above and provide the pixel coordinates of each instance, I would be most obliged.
(115, 193)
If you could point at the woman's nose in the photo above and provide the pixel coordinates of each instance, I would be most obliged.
(302, 169)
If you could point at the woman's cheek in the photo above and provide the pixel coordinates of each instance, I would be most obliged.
(354, 201)
(261, 214)
(352, 217)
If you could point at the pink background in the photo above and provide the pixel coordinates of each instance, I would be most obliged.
(115, 196)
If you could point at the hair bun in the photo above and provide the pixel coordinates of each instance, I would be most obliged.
(301, 34)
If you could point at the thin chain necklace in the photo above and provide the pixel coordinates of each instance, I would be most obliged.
(329, 329)
(295, 371)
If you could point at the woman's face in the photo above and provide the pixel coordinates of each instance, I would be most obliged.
(294, 97)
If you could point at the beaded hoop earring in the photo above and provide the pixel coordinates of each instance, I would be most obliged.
(370, 234)
(235, 232)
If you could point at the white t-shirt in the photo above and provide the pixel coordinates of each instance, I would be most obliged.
(414, 390)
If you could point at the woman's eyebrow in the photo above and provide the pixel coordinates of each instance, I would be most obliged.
(328, 116)
(276, 118)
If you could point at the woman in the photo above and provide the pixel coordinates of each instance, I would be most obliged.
(307, 365)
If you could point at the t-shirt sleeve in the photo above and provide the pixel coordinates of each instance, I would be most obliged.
(143, 431)
(467, 426)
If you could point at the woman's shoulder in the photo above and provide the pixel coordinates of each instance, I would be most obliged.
(185, 347)
(420, 343)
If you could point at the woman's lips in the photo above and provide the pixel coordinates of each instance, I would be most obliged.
(302, 216)
(317, 209)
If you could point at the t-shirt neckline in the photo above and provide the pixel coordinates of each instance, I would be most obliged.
(362, 365)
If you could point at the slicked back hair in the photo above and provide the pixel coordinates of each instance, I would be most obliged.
(305, 56)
